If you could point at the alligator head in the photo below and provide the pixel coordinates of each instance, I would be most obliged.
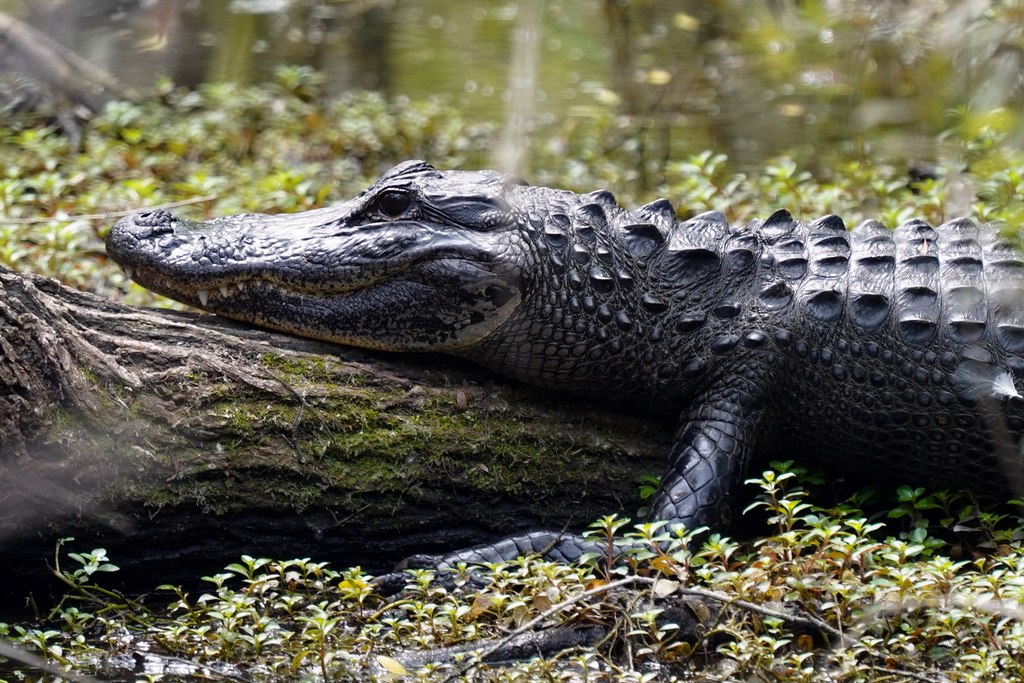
(421, 260)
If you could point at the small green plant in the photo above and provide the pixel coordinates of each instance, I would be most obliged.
(825, 592)
(89, 564)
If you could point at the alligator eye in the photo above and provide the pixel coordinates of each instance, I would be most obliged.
(393, 203)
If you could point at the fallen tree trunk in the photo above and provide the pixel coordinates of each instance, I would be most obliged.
(178, 441)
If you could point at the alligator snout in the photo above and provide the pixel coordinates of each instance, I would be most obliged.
(134, 237)
(145, 225)
(155, 218)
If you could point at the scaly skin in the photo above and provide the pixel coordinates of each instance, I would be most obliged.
(896, 352)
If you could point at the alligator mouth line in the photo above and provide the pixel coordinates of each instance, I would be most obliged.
(230, 286)
(228, 291)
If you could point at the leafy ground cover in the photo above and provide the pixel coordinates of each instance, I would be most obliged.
(930, 593)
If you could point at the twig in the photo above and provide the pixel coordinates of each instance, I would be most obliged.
(109, 215)
(909, 674)
(806, 620)
(550, 612)
(549, 642)
(36, 662)
(207, 670)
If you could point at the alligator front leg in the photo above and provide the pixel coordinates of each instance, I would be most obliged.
(552, 545)
(706, 468)
(709, 460)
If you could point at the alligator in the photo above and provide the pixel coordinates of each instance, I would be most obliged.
(892, 352)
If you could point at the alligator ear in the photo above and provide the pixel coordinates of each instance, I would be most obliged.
(513, 180)
(410, 168)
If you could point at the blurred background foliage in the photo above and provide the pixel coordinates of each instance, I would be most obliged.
(870, 109)
(881, 109)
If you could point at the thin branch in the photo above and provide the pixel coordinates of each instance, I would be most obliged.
(36, 662)
(108, 215)
(550, 612)
(199, 670)
(806, 620)
(908, 674)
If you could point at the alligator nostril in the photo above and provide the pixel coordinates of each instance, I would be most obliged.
(157, 219)
(137, 227)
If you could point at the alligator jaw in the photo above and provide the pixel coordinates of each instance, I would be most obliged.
(152, 279)
(221, 293)
(394, 285)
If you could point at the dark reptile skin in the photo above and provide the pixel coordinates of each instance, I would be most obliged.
(894, 352)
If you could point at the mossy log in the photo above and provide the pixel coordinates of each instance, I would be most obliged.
(187, 439)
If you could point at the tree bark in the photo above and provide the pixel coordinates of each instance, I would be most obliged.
(179, 441)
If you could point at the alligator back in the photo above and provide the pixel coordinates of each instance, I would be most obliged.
(903, 347)
(871, 350)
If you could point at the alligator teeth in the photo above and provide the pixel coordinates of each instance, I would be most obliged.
(241, 285)
(225, 290)
(130, 272)
(204, 296)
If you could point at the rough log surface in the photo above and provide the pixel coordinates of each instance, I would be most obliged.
(179, 441)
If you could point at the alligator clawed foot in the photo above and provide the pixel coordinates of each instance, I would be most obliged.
(398, 578)
(445, 575)
(391, 583)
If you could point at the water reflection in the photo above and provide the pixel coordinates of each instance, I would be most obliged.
(751, 79)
